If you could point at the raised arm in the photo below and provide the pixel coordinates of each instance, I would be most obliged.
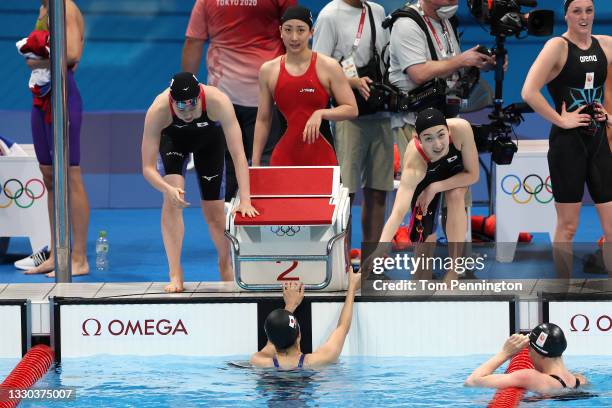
(330, 351)
(220, 109)
(293, 294)
(264, 113)
(483, 375)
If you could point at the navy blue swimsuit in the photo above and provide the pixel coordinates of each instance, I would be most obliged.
(300, 363)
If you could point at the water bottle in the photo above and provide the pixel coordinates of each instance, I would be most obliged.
(102, 252)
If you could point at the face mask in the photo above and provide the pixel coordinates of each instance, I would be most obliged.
(447, 11)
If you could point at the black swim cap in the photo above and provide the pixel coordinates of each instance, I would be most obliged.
(184, 86)
(566, 4)
(297, 13)
(548, 340)
(427, 118)
(282, 328)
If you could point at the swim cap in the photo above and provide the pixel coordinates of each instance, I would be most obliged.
(566, 4)
(184, 86)
(427, 118)
(282, 328)
(548, 340)
(297, 13)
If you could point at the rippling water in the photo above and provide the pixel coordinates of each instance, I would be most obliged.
(106, 381)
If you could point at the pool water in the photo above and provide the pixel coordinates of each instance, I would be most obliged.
(112, 381)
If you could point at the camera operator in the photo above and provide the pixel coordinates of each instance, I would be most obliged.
(351, 32)
(413, 65)
(574, 67)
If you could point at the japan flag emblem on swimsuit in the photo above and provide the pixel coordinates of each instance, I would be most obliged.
(292, 322)
(541, 339)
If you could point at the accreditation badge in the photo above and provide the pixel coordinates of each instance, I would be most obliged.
(349, 68)
(589, 82)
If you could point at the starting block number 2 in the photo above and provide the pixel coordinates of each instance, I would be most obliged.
(283, 275)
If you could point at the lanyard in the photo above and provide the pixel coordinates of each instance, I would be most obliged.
(359, 31)
(435, 34)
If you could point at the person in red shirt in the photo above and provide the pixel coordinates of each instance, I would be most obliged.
(241, 35)
(301, 83)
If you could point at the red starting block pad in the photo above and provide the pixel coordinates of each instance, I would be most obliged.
(294, 181)
(289, 211)
(300, 233)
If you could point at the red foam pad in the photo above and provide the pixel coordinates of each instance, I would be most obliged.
(289, 211)
(511, 397)
(291, 181)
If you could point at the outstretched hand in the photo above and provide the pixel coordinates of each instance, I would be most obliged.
(293, 294)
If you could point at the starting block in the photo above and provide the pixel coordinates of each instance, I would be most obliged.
(300, 234)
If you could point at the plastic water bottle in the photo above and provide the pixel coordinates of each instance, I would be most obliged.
(102, 252)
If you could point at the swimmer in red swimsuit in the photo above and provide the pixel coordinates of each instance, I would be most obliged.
(301, 82)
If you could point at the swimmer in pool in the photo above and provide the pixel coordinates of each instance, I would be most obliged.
(283, 330)
(546, 345)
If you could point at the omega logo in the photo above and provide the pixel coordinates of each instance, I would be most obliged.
(147, 327)
(581, 323)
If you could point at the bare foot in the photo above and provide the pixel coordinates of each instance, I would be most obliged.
(45, 267)
(78, 269)
(175, 286)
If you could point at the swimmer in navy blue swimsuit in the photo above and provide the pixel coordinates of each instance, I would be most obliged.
(442, 158)
(190, 117)
(549, 376)
(283, 350)
(575, 67)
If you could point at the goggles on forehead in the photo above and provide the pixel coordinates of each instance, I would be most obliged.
(189, 104)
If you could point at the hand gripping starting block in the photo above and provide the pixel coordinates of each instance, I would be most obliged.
(300, 234)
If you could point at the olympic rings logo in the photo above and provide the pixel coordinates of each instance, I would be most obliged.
(22, 195)
(539, 191)
(282, 231)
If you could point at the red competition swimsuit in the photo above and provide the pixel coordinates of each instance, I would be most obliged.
(298, 97)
